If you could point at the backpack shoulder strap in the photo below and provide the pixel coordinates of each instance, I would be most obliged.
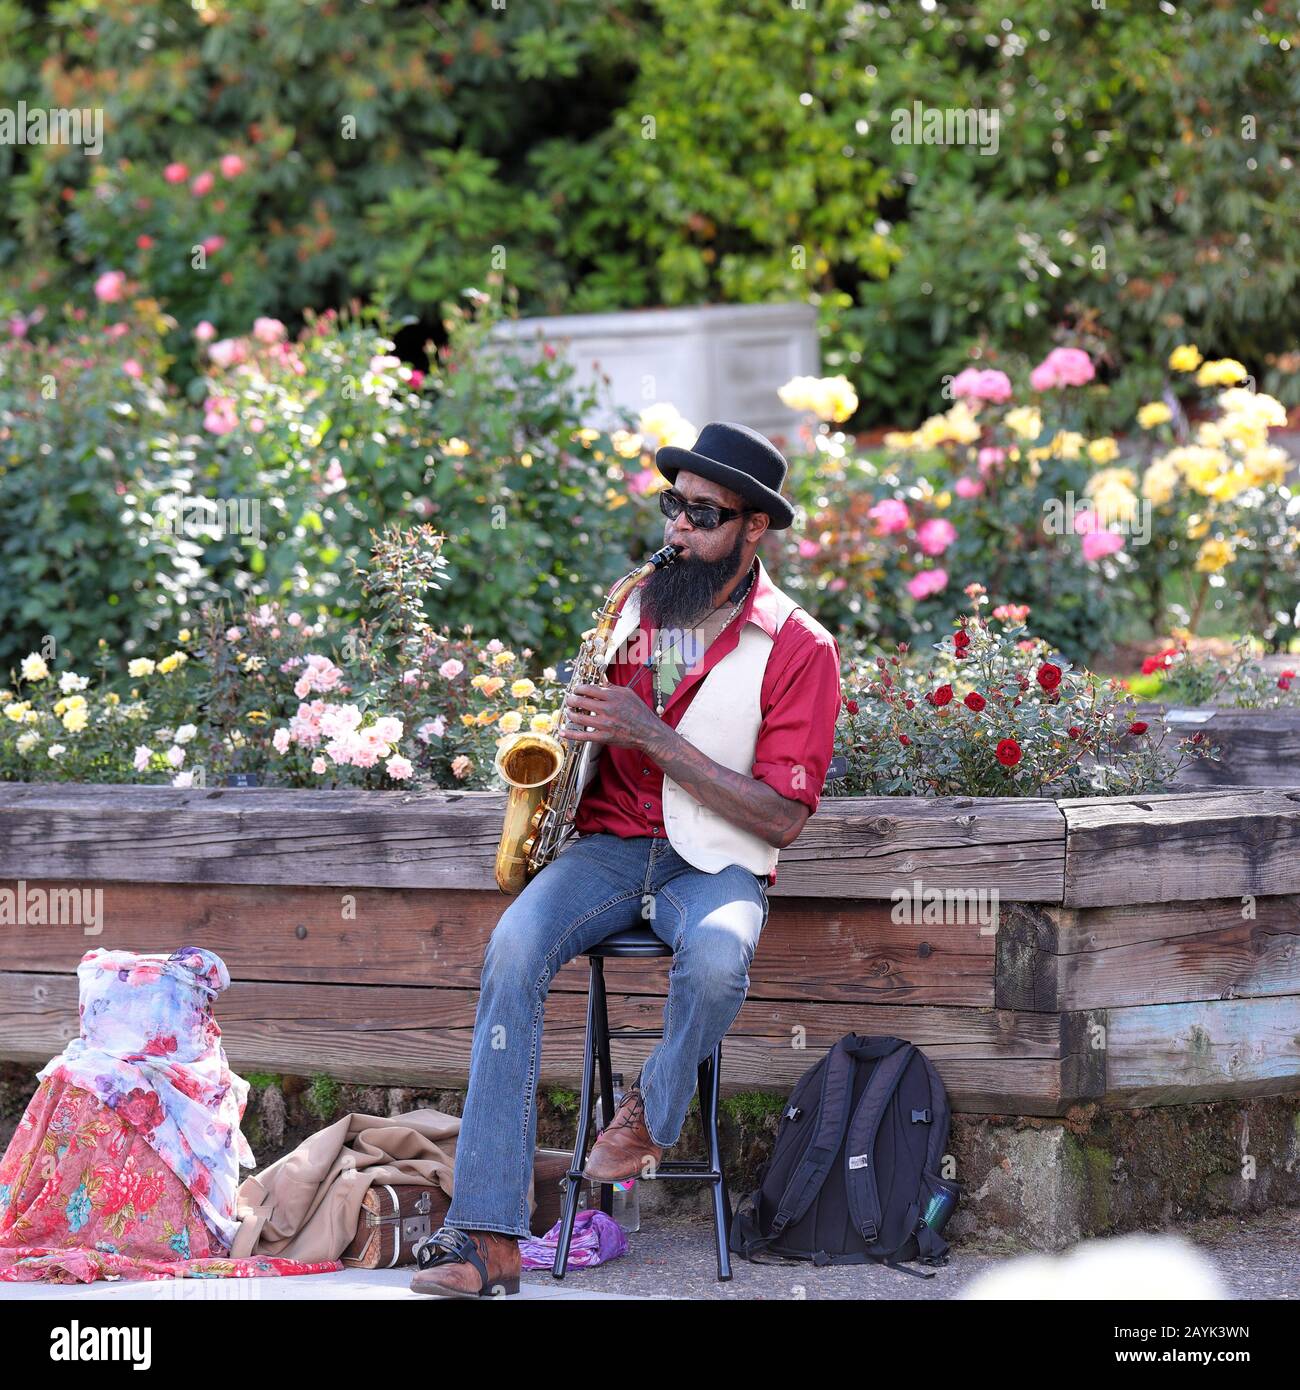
(860, 1177)
(832, 1118)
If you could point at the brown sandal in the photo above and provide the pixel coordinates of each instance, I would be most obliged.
(450, 1246)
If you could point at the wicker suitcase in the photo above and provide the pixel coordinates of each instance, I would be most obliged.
(396, 1217)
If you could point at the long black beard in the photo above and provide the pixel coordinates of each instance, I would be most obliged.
(682, 593)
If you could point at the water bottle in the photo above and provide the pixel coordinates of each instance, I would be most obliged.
(627, 1201)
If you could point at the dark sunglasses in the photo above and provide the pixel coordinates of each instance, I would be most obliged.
(703, 515)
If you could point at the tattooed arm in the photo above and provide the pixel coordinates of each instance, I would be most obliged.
(744, 801)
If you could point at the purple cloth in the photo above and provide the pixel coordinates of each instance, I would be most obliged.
(596, 1239)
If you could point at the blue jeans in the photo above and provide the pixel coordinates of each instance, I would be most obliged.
(598, 884)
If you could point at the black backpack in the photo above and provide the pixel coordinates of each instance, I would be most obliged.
(854, 1175)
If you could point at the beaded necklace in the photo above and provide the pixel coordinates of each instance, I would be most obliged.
(659, 653)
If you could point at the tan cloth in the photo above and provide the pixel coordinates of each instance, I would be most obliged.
(306, 1205)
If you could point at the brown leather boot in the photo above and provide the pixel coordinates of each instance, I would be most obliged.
(467, 1264)
(624, 1149)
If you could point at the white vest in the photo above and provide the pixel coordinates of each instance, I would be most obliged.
(722, 722)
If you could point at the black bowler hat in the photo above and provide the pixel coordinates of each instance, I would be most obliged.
(739, 458)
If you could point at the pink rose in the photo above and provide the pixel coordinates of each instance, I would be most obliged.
(227, 352)
(933, 537)
(890, 516)
(202, 184)
(110, 287)
(268, 330)
(1099, 543)
(204, 331)
(133, 369)
(927, 582)
(968, 487)
(212, 244)
(176, 173)
(808, 548)
(219, 414)
(981, 386)
(1062, 367)
(231, 166)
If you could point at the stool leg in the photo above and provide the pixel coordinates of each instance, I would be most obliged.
(595, 1007)
(606, 1064)
(709, 1083)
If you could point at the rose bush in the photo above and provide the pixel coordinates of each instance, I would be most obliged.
(999, 713)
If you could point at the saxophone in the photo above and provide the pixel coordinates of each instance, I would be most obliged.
(545, 774)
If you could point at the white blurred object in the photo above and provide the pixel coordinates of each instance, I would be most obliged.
(1135, 1266)
(713, 361)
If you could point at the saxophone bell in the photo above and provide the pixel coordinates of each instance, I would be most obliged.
(547, 775)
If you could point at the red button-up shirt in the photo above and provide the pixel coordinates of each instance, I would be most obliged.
(799, 700)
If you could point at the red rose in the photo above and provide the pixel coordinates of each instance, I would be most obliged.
(1049, 676)
(1138, 726)
(886, 680)
(941, 696)
(1285, 679)
(1008, 752)
(975, 701)
(852, 706)
(909, 704)
(1151, 665)
(961, 640)
(1075, 731)
(904, 740)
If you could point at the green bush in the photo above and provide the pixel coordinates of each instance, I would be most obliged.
(1142, 193)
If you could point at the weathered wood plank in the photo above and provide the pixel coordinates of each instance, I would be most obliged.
(990, 1061)
(852, 847)
(1150, 953)
(1258, 747)
(821, 949)
(1164, 1054)
(1181, 847)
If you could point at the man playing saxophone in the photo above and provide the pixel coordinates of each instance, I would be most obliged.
(713, 735)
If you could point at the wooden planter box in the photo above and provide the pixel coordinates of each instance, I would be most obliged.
(1144, 951)
(1258, 747)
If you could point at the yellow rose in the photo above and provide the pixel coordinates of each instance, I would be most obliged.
(542, 723)
(943, 499)
(1223, 371)
(626, 444)
(1214, 556)
(1267, 465)
(1185, 358)
(1103, 450)
(33, 668)
(455, 448)
(522, 689)
(1159, 482)
(112, 698)
(1025, 421)
(75, 720)
(184, 635)
(479, 681)
(141, 666)
(16, 711)
(485, 716)
(1154, 413)
(170, 663)
(468, 720)
(502, 658)
(510, 721)
(60, 706)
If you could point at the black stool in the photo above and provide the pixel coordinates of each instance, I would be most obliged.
(638, 943)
